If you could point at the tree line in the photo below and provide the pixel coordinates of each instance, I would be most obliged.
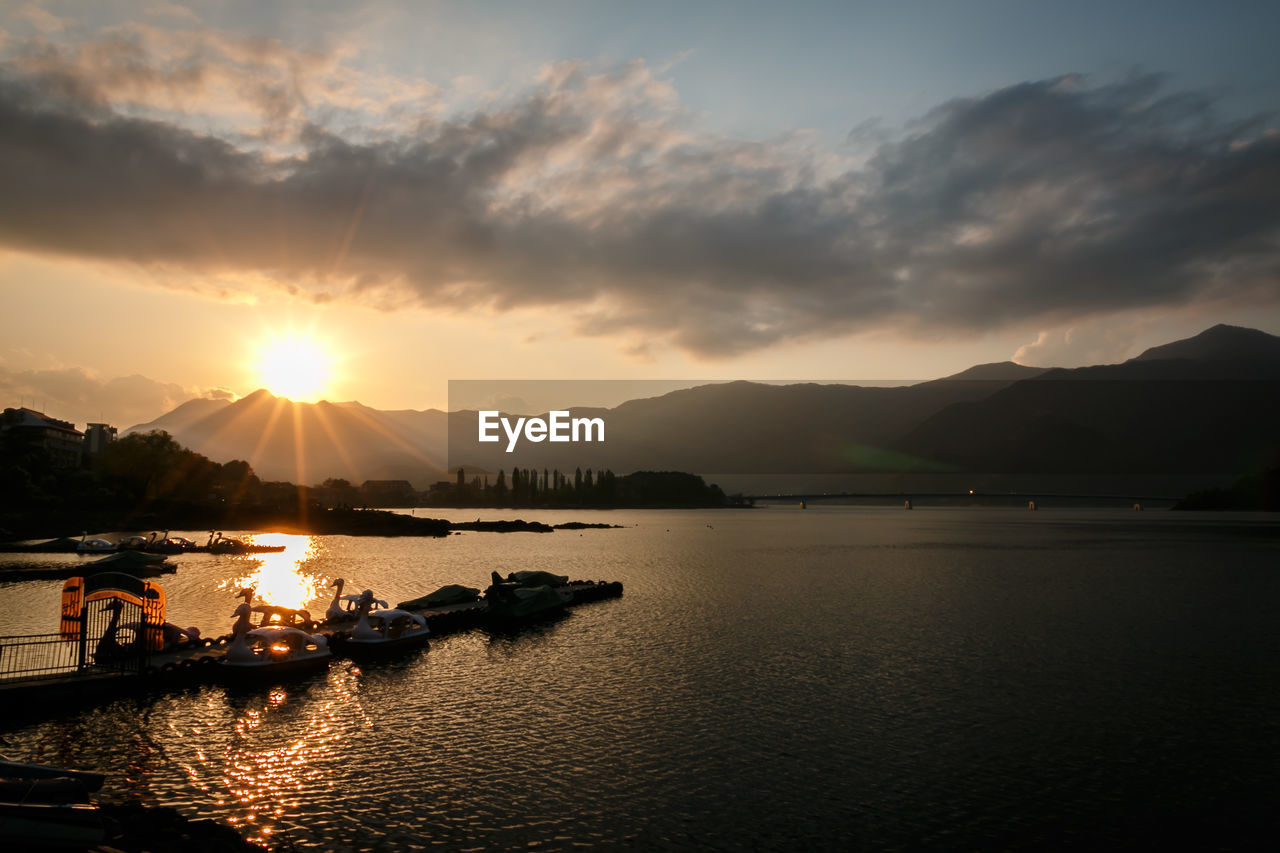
(529, 487)
(136, 471)
(150, 480)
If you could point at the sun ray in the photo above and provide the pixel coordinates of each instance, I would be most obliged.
(398, 441)
(267, 431)
(322, 418)
(299, 459)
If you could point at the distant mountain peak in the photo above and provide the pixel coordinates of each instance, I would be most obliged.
(1219, 343)
(996, 371)
(261, 395)
(184, 415)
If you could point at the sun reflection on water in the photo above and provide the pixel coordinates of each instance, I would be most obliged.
(278, 578)
(282, 752)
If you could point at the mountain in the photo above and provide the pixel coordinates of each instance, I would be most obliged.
(182, 417)
(748, 428)
(1221, 343)
(311, 442)
(1207, 404)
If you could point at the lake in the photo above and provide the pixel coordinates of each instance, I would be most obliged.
(832, 678)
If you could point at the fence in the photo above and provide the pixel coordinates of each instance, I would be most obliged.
(35, 656)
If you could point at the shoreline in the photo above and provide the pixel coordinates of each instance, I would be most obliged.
(17, 533)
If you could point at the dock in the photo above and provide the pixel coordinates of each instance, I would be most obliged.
(194, 661)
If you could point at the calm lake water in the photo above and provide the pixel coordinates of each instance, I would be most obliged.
(835, 678)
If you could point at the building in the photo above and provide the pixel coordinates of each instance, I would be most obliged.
(97, 437)
(60, 439)
(443, 493)
(388, 493)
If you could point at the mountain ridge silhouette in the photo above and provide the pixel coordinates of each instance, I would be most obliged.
(1201, 404)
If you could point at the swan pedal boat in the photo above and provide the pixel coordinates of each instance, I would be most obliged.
(94, 546)
(384, 630)
(273, 650)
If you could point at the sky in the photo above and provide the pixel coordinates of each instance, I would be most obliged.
(367, 200)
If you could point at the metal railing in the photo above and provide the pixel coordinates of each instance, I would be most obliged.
(36, 656)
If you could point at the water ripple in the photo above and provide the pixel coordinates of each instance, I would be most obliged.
(831, 681)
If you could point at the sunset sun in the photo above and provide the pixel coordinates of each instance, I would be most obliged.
(299, 368)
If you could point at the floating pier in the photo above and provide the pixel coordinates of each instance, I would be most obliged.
(197, 659)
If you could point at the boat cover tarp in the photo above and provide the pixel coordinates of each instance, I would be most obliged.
(538, 578)
(450, 594)
(126, 560)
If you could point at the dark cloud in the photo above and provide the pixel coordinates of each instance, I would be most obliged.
(1041, 202)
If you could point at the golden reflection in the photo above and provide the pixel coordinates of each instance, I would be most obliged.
(283, 749)
(278, 578)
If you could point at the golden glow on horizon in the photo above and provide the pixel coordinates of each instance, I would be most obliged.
(295, 366)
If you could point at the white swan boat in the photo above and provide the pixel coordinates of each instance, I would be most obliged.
(137, 543)
(94, 546)
(271, 650)
(384, 629)
(343, 607)
(171, 544)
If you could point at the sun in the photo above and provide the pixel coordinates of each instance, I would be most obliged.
(296, 367)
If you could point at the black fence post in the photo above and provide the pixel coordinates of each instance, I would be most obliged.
(84, 636)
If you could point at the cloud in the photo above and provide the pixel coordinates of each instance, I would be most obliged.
(1108, 340)
(72, 394)
(594, 193)
(165, 9)
(41, 19)
(252, 90)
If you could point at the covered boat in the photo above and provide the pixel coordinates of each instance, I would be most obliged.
(27, 825)
(449, 594)
(43, 807)
(131, 562)
(509, 601)
(537, 578)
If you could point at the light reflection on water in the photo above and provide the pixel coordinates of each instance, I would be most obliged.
(274, 758)
(278, 578)
(832, 679)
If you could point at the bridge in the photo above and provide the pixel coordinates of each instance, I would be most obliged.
(809, 497)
